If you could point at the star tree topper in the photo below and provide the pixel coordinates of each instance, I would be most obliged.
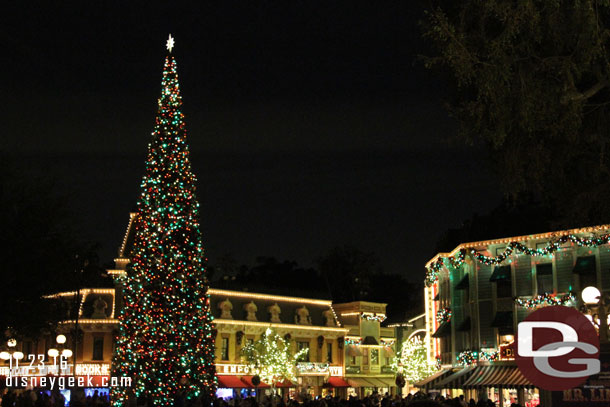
(170, 43)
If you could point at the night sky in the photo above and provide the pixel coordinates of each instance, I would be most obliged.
(311, 124)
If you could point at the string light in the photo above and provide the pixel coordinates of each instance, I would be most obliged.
(456, 260)
(271, 358)
(412, 361)
(443, 315)
(165, 341)
(546, 299)
(470, 357)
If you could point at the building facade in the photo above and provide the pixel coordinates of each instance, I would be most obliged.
(478, 293)
(369, 348)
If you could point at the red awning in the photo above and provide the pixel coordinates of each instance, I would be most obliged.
(248, 382)
(285, 383)
(337, 382)
(230, 382)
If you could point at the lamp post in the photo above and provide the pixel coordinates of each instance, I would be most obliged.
(11, 353)
(64, 352)
(596, 302)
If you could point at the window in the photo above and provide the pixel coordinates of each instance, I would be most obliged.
(505, 288)
(329, 352)
(250, 341)
(374, 356)
(98, 348)
(544, 278)
(353, 360)
(224, 352)
(300, 346)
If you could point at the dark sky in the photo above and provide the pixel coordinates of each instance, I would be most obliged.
(311, 124)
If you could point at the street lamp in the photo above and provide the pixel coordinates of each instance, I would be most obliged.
(595, 301)
(65, 353)
(11, 353)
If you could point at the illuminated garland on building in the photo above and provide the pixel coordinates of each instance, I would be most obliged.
(312, 367)
(387, 342)
(353, 341)
(545, 299)
(443, 315)
(456, 261)
(372, 317)
(470, 357)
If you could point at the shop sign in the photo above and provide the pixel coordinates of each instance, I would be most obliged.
(232, 369)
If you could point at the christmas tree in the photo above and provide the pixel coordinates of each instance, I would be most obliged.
(165, 342)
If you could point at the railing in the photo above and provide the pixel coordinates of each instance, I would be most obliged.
(312, 367)
(352, 369)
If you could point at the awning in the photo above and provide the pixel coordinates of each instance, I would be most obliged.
(585, 265)
(437, 297)
(248, 382)
(285, 383)
(503, 319)
(354, 350)
(358, 382)
(337, 382)
(455, 380)
(443, 330)
(500, 273)
(463, 284)
(506, 376)
(436, 377)
(464, 326)
(381, 381)
(231, 382)
(388, 351)
(370, 382)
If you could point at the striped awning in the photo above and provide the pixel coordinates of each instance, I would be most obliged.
(455, 380)
(429, 381)
(506, 376)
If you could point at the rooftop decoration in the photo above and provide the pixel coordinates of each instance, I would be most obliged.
(456, 260)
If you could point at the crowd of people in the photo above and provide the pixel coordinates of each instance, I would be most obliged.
(375, 400)
(31, 398)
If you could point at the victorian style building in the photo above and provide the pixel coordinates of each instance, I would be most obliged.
(478, 293)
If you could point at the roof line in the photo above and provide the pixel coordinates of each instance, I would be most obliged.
(217, 291)
(506, 240)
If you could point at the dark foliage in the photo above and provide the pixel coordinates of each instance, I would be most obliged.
(343, 274)
(531, 82)
(39, 249)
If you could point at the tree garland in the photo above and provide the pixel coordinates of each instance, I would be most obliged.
(443, 315)
(457, 260)
(545, 299)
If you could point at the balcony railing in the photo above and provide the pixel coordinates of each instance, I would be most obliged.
(312, 367)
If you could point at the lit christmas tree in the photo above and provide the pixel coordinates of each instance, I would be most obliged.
(271, 359)
(165, 341)
(411, 361)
